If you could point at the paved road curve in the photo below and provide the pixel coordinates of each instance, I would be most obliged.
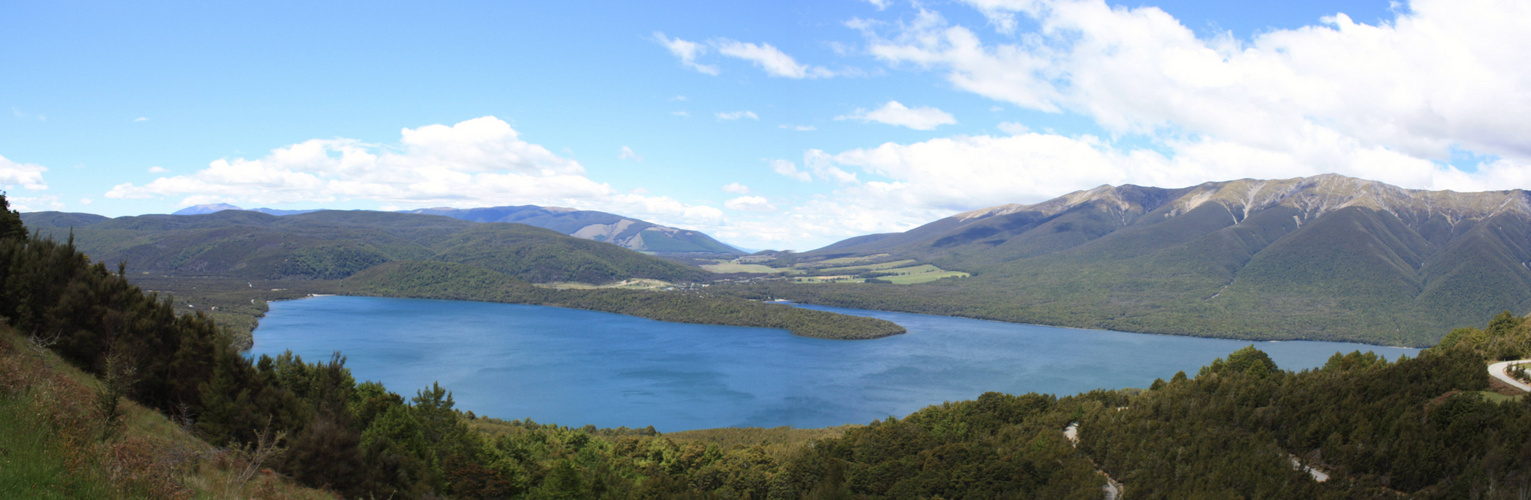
(1498, 370)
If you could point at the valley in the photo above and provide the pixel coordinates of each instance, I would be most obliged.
(1374, 425)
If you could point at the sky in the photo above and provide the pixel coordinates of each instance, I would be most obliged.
(781, 125)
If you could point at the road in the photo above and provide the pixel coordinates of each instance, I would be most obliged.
(1498, 370)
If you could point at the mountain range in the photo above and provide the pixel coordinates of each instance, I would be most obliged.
(1319, 258)
(1324, 257)
(622, 231)
(626, 232)
(328, 245)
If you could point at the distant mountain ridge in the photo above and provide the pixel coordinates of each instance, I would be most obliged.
(1323, 257)
(331, 245)
(611, 228)
(219, 207)
(626, 232)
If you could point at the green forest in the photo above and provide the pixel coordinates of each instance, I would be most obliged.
(1428, 427)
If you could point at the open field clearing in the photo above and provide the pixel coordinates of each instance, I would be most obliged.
(869, 267)
(734, 267)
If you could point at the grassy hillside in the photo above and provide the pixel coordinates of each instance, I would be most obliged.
(66, 434)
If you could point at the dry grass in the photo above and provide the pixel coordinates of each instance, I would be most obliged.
(52, 415)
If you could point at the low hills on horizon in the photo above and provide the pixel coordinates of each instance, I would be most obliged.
(626, 232)
(329, 245)
(1327, 257)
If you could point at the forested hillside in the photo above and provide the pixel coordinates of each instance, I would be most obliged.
(329, 245)
(432, 280)
(1322, 258)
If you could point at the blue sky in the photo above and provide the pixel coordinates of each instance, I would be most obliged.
(766, 124)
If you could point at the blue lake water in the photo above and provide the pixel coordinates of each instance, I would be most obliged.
(574, 367)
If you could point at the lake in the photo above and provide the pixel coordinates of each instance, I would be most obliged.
(573, 367)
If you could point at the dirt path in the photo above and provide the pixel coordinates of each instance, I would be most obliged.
(1112, 490)
(1499, 371)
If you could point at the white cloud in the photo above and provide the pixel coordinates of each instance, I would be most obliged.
(880, 4)
(1440, 75)
(86, 201)
(475, 163)
(763, 55)
(823, 166)
(736, 115)
(157, 170)
(628, 154)
(817, 164)
(965, 173)
(895, 113)
(799, 128)
(770, 59)
(678, 98)
(27, 175)
(687, 52)
(34, 203)
(789, 169)
(736, 188)
(140, 119)
(681, 114)
(750, 204)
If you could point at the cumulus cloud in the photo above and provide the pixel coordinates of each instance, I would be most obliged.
(736, 188)
(475, 163)
(750, 204)
(895, 113)
(823, 166)
(26, 175)
(736, 115)
(818, 164)
(687, 52)
(157, 170)
(628, 154)
(1440, 75)
(34, 203)
(880, 4)
(141, 119)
